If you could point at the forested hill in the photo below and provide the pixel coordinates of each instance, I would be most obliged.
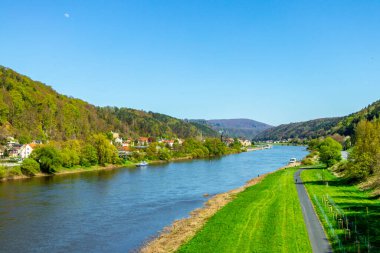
(246, 128)
(322, 127)
(347, 125)
(308, 129)
(32, 110)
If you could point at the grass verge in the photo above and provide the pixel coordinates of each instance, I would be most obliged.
(266, 217)
(351, 217)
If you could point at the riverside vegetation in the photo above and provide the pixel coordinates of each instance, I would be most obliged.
(349, 215)
(74, 131)
(346, 193)
(98, 151)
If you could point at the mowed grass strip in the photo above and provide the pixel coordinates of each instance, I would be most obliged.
(342, 206)
(266, 217)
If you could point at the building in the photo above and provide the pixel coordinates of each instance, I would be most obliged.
(25, 151)
(118, 140)
(2, 151)
(143, 141)
(114, 135)
(14, 150)
(245, 143)
(169, 143)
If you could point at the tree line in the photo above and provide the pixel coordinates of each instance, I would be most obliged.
(363, 151)
(98, 150)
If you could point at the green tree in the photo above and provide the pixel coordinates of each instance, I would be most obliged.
(364, 160)
(164, 154)
(107, 153)
(89, 156)
(330, 151)
(215, 147)
(236, 145)
(30, 167)
(48, 157)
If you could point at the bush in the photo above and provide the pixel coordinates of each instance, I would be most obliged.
(15, 171)
(307, 161)
(3, 172)
(30, 167)
(164, 155)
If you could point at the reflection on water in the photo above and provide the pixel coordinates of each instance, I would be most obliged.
(117, 210)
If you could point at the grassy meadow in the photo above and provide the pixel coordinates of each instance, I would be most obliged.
(266, 217)
(351, 217)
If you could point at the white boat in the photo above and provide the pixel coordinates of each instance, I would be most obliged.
(292, 160)
(141, 164)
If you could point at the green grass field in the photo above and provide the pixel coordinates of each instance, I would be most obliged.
(340, 207)
(266, 217)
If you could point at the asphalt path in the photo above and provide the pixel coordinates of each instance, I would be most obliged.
(317, 236)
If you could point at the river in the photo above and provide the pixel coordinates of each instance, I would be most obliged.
(118, 210)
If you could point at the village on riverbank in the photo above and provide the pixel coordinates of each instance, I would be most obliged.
(19, 160)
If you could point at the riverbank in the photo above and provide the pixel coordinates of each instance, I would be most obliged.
(181, 231)
(64, 171)
(67, 171)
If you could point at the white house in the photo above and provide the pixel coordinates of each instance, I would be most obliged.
(245, 143)
(25, 151)
(118, 140)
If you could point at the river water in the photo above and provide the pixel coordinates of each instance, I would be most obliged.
(118, 210)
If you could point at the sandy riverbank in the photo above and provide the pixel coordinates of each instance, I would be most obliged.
(181, 231)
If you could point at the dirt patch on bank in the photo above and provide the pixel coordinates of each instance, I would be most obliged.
(181, 231)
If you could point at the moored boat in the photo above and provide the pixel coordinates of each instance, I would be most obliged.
(141, 164)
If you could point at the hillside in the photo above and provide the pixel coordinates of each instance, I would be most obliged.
(347, 125)
(321, 127)
(246, 128)
(32, 110)
(308, 129)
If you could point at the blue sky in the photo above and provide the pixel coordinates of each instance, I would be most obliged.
(272, 61)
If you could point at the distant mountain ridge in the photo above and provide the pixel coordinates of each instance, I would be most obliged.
(245, 128)
(344, 126)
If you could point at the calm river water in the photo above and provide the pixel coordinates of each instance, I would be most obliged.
(118, 210)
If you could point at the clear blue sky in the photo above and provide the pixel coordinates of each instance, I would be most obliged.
(272, 61)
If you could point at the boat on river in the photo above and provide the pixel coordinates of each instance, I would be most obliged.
(142, 164)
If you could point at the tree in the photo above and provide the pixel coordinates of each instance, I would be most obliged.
(30, 167)
(330, 151)
(364, 160)
(88, 156)
(236, 145)
(215, 147)
(48, 157)
(107, 153)
(164, 154)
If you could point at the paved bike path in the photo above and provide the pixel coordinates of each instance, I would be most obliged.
(317, 236)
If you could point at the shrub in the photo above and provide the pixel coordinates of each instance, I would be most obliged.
(164, 155)
(307, 161)
(15, 171)
(3, 171)
(30, 167)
